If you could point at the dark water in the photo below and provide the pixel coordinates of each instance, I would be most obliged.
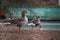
(47, 26)
(54, 25)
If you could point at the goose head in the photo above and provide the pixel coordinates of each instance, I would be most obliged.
(24, 13)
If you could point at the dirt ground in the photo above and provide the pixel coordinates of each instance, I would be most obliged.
(7, 33)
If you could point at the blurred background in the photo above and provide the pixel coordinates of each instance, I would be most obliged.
(47, 9)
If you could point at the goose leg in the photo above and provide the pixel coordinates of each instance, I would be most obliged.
(19, 25)
(19, 28)
(33, 27)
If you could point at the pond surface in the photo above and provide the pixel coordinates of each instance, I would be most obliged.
(55, 25)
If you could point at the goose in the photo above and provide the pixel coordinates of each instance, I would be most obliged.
(10, 18)
(6, 22)
(23, 20)
(35, 22)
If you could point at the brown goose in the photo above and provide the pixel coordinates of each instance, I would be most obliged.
(35, 22)
(23, 20)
